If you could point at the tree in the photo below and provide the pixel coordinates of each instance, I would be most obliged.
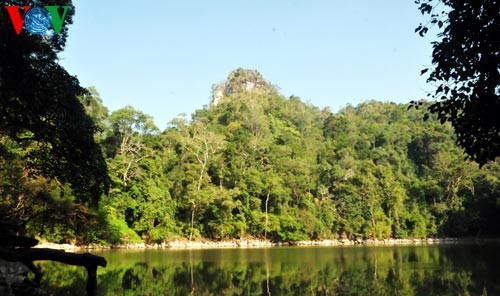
(95, 108)
(130, 126)
(40, 110)
(466, 70)
(199, 146)
(39, 106)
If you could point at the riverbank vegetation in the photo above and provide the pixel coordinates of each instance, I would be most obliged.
(258, 165)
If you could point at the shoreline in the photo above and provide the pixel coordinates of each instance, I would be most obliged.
(254, 243)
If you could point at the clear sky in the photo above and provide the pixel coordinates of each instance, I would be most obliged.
(162, 57)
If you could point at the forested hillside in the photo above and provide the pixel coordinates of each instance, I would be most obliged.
(259, 165)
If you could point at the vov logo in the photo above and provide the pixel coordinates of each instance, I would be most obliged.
(37, 20)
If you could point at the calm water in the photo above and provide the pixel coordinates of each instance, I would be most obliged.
(400, 270)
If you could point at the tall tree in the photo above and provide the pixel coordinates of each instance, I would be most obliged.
(39, 106)
(129, 128)
(199, 148)
(466, 70)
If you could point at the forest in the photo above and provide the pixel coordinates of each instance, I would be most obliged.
(256, 164)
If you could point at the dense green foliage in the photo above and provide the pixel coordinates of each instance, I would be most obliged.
(263, 166)
(41, 113)
(465, 69)
(253, 164)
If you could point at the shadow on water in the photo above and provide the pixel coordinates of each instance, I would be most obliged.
(399, 270)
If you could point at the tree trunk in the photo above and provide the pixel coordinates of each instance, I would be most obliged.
(372, 218)
(193, 210)
(267, 216)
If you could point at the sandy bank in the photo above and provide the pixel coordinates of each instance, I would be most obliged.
(182, 244)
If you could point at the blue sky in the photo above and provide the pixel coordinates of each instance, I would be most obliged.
(162, 57)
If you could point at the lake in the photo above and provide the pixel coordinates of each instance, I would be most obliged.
(461, 269)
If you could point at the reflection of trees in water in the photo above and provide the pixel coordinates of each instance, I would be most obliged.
(193, 289)
(417, 271)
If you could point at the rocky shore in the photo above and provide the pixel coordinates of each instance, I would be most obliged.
(14, 280)
(253, 243)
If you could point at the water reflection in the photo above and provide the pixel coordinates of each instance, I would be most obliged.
(415, 270)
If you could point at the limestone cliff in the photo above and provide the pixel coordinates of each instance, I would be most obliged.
(240, 80)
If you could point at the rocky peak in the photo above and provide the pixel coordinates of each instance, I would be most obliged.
(238, 81)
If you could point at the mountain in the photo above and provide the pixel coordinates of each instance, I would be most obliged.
(240, 81)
